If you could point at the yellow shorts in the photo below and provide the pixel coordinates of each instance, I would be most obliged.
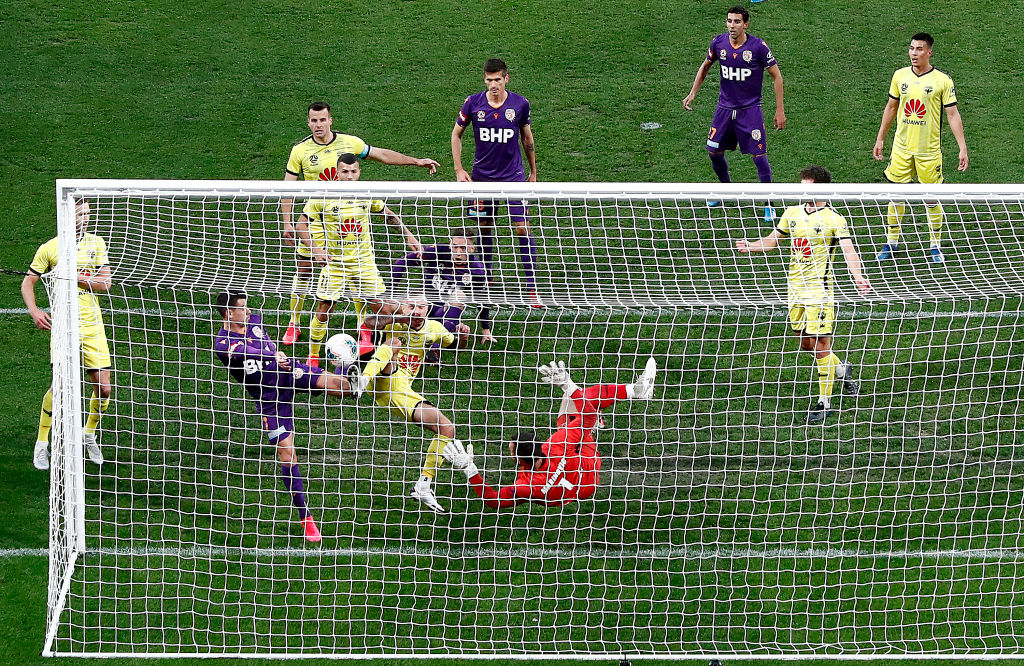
(95, 352)
(904, 166)
(336, 281)
(395, 393)
(816, 320)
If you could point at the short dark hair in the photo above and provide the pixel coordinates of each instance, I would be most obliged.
(923, 37)
(462, 232)
(818, 174)
(742, 11)
(319, 106)
(528, 447)
(348, 158)
(228, 299)
(495, 65)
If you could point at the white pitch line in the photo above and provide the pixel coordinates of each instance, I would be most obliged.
(218, 552)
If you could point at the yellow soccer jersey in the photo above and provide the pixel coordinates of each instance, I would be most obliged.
(92, 256)
(310, 160)
(814, 239)
(919, 114)
(344, 227)
(415, 343)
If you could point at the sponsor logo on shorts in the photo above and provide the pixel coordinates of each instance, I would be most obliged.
(756, 135)
(510, 114)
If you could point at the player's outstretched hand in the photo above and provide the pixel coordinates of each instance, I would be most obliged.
(428, 163)
(554, 373)
(863, 286)
(460, 457)
(688, 102)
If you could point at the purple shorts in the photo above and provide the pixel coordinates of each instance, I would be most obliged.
(276, 405)
(488, 208)
(742, 126)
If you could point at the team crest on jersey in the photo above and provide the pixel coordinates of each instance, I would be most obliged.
(903, 87)
(313, 159)
(723, 54)
(747, 56)
(298, 373)
(755, 135)
(928, 90)
(481, 115)
(510, 114)
(467, 279)
(257, 331)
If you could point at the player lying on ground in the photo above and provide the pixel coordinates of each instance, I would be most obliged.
(816, 229)
(391, 371)
(566, 466)
(314, 158)
(93, 277)
(338, 235)
(272, 379)
(451, 278)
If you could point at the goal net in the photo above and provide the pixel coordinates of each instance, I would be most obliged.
(722, 521)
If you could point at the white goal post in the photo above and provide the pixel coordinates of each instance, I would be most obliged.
(721, 521)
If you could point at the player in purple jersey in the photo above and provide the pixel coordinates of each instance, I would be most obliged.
(272, 378)
(501, 120)
(451, 278)
(743, 60)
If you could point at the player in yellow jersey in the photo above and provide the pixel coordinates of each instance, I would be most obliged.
(391, 371)
(918, 95)
(93, 276)
(815, 230)
(316, 158)
(337, 234)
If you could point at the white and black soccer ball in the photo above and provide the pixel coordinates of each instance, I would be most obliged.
(341, 350)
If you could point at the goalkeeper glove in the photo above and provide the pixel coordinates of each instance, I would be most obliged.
(460, 457)
(554, 373)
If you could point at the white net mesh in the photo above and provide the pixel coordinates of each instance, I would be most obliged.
(722, 522)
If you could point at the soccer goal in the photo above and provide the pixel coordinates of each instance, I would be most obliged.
(727, 518)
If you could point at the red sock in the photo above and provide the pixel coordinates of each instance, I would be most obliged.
(365, 340)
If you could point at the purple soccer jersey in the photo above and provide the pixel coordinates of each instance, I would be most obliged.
(496, 132)
(742, 70)
(441, 277)
(251, 359)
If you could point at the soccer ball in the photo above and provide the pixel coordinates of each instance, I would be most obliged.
(341, 350)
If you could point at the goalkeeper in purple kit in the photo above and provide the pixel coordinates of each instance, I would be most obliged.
(272, 379)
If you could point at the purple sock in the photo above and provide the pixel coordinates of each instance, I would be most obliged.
(764, 170)
(528, 255)
(720, 166)
(486, 243)
(451, 317)
(292, 478)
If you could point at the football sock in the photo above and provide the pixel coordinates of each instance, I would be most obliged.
(894, 218)
(365, 340)
(720, 166)
(451, 317)
(433, 456)
(935, 218)
(300, 287)
(292, 479)
(528, 255)
(317, 333)
(46, 417)
(96, 409)
(380, 360)
(826, 376)
(486, 243)
(764, 169)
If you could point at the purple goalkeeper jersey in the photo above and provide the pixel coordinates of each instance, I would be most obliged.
(742, 70)
(496, 131)
(441, 277)
(251, 359)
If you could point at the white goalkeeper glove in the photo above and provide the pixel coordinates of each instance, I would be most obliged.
(460, 457)
(554, 373)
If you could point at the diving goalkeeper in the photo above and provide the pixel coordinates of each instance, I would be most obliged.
(565, 467)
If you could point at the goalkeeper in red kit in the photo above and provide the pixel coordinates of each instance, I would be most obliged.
(566, 466)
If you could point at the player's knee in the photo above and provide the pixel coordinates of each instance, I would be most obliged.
(394, 343)
(806, 343)
(104, 389)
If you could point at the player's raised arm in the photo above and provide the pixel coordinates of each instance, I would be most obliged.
(854, 264)
(461, 458)
(395, 158)
(956, 124)
(392, 218)
(766, 244)
(702, 73)
(888, 115)
(780, 107)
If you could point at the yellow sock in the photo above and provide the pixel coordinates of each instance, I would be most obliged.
(300, 287)
(827, 376)
(96, 409)
(380, 360)
(360, 307)
(433, 460)
(317, 333)
(46, 417)
(894, 219)
(935, 219)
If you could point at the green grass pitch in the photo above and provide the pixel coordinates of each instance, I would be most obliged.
(132, 90)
